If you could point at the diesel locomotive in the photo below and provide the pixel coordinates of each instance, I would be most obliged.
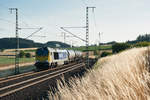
(48, 57)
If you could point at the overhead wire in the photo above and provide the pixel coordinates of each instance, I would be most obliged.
(20, 12)
(94, 18)
(11, 22)
(20, 21)
(6, 29)
(33, 33)
(29, 26)
(3, 6)
(8, 21)
(25, 18)
(84, 3)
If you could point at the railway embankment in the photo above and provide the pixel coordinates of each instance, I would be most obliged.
(33, 85)
(121, 76)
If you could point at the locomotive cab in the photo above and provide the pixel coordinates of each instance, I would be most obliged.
(42, 58)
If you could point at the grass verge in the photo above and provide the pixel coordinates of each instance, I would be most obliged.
(124, 76)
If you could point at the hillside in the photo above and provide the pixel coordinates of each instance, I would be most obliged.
(54, 44)
(10, 43)
(124, 76)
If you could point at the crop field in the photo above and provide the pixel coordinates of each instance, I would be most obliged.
(27, 49)
(124, 76)
(7, 57)
(92, 48)
(10, 60)
(7, 61)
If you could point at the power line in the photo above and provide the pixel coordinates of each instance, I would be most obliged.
(33, 32)
(1, 29)
(23, 22)
(95, 22)
(94, 17)
(4, 30)
(75, 27)
(11, 22)
(39, 36)
(8, 21)
(84, 3)
(72, 34)
(64, 35)
(25, 17)
(1, 5)
(19, 12)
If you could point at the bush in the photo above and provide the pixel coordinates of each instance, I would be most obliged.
(21, 54)
(120, 47)
(28, 55)
(2, 49)
(96, 52)
(104, 54)
(142, 44)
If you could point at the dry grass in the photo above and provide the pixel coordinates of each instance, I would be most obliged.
(10, 50)
(123, 76)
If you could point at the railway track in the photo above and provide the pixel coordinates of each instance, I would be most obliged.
(9, 79)
(16, 83)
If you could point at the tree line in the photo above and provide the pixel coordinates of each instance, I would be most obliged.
(10, 43)
(141, 41)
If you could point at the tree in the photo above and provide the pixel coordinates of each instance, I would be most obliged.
(2, 49)
(28, 55)
(142, 44)
(21, 54)
(142, 38)
(95, 52)
(119, 47)
(104, 54)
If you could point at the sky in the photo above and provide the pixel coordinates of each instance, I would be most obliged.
(116, 20)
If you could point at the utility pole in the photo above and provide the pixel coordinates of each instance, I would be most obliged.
(17, 42)
(64, 35)
(99, 38)
(100, 33)
(87, 34)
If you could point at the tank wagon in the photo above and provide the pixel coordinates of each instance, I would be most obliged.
(48, 57)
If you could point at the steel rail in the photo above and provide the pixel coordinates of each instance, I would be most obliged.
(11, 78)
(7, 90)
(14, 76)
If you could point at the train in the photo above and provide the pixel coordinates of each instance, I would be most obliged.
(47, 57)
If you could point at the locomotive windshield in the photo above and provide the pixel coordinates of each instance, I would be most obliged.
(42, 52)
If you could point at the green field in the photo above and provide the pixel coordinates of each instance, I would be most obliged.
(7, 61)
(29, 51)
(93, 48)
